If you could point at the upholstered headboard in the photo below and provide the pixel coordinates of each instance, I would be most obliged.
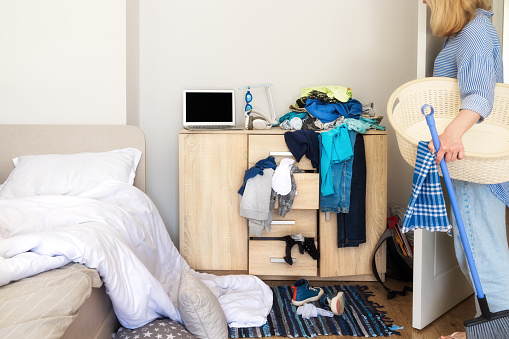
(17, 140)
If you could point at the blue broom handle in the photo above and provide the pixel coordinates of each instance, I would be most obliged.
(430, 120)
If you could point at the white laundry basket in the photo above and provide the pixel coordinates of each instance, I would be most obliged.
(486, 144)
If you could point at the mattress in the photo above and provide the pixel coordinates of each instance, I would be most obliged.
(45, 305)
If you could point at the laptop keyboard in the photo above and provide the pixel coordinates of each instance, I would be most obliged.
(211, 127)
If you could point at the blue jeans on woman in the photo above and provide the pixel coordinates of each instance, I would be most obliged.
(483, 216)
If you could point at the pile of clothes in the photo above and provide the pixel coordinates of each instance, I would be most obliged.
(327, 107)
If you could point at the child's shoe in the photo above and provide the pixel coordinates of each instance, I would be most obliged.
(303, 294)
(334, 301)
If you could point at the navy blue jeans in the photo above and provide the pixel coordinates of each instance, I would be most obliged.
(352, 225)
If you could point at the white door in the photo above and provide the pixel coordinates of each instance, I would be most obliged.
(439, 284)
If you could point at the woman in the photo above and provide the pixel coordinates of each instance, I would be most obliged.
(472, 54)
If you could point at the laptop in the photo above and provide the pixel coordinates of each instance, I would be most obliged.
(210, 109)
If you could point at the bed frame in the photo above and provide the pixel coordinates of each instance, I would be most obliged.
(96, 318)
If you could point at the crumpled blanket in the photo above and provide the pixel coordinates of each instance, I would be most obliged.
(116, 229)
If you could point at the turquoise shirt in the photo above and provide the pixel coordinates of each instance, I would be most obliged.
(335, 147)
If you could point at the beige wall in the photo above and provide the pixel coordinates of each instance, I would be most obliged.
(368, 45)
(62, 62)
(79, 61)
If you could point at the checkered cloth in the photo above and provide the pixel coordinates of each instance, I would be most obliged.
(426, 208)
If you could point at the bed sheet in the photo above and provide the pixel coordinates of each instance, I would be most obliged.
(43, 306)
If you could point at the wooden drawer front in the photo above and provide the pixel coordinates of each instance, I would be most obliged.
(263, 253)
(307, 196)
(295, 222)
(261, 146)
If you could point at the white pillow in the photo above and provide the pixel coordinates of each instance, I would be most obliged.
(69, 174)
(199, 308)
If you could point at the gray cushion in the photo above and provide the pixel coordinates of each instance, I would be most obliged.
(199, 308)
(157, 329)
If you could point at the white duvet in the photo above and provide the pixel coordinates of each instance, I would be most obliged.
(116, 229)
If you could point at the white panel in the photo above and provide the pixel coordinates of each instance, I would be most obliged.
(63, 61)
(438, 286)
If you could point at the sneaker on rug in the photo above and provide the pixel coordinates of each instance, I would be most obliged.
(303, 294)
(334, 301)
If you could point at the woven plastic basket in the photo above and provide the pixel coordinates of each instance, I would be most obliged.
(486, 144)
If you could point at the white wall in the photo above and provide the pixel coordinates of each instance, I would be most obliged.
(368, 45)
(63, 62)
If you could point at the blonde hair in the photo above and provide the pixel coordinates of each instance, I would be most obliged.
(448, 17)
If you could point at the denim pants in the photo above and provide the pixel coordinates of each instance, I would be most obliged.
(352, 225)
(339, 201)
(483, 216)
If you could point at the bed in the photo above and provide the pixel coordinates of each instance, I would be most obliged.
(83, 249)
(94, 317)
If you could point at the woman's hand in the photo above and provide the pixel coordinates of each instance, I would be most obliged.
(451, 145)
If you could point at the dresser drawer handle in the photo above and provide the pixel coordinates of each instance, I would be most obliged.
(281, 260)
(281, 154)
(283, 222)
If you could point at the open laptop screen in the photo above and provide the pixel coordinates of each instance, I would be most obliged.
(204, 107)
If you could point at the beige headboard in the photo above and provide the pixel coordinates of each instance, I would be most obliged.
(17, 140)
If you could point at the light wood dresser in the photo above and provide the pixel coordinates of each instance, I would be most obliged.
(214, 237)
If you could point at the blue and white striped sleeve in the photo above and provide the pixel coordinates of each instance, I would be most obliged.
(476, 75)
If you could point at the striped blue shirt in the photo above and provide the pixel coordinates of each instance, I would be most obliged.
(474, 57)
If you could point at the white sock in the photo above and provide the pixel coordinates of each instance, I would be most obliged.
(281, 180)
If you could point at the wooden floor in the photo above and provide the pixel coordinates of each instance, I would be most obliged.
(399, 310)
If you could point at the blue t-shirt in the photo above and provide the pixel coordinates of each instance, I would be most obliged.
(473, 56)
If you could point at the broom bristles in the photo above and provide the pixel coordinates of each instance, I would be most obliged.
(495, 328)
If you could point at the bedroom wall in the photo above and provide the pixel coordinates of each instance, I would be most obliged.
(367, 45)
(62, 62)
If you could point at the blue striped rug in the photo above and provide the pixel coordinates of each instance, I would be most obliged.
(361, 318)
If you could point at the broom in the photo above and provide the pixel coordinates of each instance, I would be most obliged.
(488, 325)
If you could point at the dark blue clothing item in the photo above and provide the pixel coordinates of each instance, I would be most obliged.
(304, 142)
(352, 225)
(258, 168)
(328, 112)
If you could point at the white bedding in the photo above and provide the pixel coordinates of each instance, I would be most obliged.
(116, 229)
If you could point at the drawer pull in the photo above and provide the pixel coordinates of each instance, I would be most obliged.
(281, 260)
(281, 154)
(283, 222)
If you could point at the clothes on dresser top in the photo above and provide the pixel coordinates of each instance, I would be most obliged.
(281, 181)
(339, 93)
(426, 208)
(368, 109)
(335, 148)
(328, 112)
(314, 124)
(302, 143)
(297, 109)
(291, 115)
(255, 202)
(257, 169)
(362, 125)
(292, 124)
(352, 225)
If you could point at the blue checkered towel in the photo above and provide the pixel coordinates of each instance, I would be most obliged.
(426, 208)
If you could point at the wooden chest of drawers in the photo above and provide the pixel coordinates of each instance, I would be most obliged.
(213, 236)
